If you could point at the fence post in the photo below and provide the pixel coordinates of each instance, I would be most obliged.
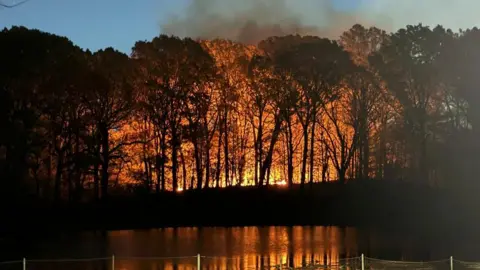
(24, 264)
(363, 262)
(451, 262)
(113, 261)
(198, 261)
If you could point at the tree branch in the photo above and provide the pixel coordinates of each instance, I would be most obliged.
(13, 5)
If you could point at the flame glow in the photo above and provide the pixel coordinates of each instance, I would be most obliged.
(281, 183)
(243, 128)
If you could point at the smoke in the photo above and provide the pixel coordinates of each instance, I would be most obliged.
(250, 21)
(453, 14)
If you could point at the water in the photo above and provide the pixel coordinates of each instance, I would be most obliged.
(230, 248)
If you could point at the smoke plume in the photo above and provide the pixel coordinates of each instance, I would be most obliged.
(250, 21)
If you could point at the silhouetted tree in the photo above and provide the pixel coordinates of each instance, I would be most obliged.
(178, 73)
(35, 82)
(109, 101)
(407, 63)
(293, 108)
(362, 43)
(318, 66)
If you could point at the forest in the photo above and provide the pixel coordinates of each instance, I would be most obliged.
(180, 114)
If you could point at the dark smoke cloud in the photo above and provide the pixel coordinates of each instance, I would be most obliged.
(252, 20)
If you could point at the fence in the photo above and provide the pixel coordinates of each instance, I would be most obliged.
(206, 262)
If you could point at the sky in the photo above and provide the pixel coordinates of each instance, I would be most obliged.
(96, 24)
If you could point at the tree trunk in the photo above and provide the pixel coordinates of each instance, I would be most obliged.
(354, 165)
(207, 164)
(382, 155)
(241, 169)
(147, 171)
(268, 176)
(78, 173)
(259, 149)
(105, 160)
(225, 149)
(365, 137)
(163, 146)
(255, 176)
(58, 175)
(146, 161)
(312, 150)
(184, 169)
(304, 156)
(324, 172)
(158, 173)
(217, 171)
(289, 152)
(70, 167)
(174, 158)
(146, 165)
(366, 158)
(198, 164)
(158, 179)
(364, 148)
(268, 159)
(96, 177)
(341, 175)
(423, 164)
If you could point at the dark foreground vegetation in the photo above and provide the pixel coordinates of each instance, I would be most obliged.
(367, 204)
(212, 132)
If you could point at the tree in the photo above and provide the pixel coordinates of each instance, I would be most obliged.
(197, 112)
(109, 100)
(458, 64)
(407, 63)
(64, 118)
(35, 83)
(276, 48)
(277, 96)
(362, 43)
(177, 73)
(318, 66)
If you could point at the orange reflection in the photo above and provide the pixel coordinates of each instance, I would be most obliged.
(232, 248)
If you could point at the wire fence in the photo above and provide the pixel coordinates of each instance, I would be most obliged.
(212, 262)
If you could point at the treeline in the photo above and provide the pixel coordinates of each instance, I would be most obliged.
(182, 114)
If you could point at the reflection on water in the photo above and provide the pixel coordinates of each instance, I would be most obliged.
(225, 248)
(235, 248)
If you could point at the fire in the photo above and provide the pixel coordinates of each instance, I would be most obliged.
(243, 123)
(281, 183)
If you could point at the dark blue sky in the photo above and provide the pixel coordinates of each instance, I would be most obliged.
(96, 24)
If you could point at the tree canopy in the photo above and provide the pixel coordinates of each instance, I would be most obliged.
(182, 114)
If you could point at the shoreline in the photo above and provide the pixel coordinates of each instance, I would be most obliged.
(364, 204)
